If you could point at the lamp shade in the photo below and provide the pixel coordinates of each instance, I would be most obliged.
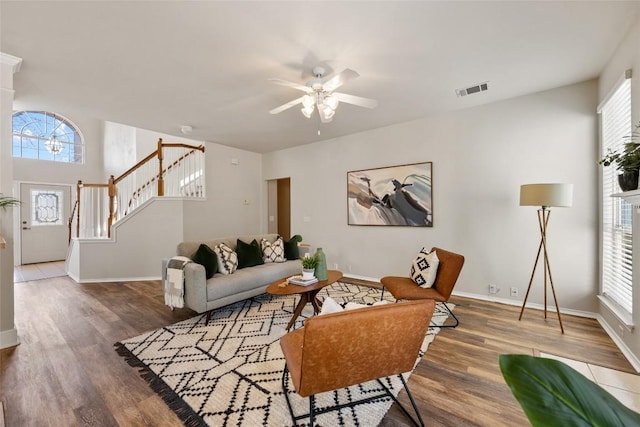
(558, 195)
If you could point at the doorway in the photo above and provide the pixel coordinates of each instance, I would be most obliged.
(284, 208)
(279, 207)
(44, 211)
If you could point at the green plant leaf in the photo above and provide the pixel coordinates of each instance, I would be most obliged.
(554, 394)
(8, 202)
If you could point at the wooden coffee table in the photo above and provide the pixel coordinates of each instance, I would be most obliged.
(307, 293)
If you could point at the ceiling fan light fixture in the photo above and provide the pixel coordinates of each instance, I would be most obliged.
(331, 102)
(308, 101)
(327, 112)
(307, 111)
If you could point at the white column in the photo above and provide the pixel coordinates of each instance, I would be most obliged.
(9, 65)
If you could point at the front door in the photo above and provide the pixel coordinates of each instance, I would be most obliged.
(44, 212)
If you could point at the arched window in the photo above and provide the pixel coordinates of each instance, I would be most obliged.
(46, 136)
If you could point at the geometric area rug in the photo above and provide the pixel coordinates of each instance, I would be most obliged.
(228, 372)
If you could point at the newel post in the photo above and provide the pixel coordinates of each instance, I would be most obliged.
(112, 198)
(78, 188)
(160, 177)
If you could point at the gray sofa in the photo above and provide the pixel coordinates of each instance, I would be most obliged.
(203, 295)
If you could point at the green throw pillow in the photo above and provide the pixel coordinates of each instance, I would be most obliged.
(206, 257)
(249, 254)
(291, 247)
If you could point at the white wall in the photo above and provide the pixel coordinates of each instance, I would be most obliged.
(141, 240)
(626, 57)
(119, 149)
(224, 212)
(480, 158)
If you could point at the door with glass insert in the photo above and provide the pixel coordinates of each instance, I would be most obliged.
(44, 213)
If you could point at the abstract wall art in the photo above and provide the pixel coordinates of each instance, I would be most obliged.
(394, 195)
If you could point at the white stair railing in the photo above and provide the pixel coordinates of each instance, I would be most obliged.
(175, 170)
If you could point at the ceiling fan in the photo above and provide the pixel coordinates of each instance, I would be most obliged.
(320, 94)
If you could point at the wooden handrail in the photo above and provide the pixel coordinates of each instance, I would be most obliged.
(111, 185)
(136, 167)
(151, 181)
(73, 212)
(152, 155)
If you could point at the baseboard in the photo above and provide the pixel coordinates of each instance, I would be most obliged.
(9, 338)
(534, 306)
(368, 279)
(116, 279)
(632, 358)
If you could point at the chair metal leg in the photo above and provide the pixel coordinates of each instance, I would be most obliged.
(286, 393)
(420, 422)
(451, 314)
(312, 402)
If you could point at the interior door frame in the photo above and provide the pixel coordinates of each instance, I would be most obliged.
(17, 225)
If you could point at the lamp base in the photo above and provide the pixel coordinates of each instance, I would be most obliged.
(543, 220)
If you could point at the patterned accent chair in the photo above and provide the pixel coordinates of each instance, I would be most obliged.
(403, 288)
(338, 350)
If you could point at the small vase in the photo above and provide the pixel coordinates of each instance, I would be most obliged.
(321, 268)
(628, 181)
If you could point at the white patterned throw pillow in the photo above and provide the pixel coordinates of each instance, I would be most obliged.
(424, 268)
(227, 259)
(273, 252)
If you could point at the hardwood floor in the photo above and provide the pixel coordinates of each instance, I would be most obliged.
(66, 372)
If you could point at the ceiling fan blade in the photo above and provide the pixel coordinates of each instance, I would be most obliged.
(356, 100)
(339, 79)
(286, 106)
(298, 86)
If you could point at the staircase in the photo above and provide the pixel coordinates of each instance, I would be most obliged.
(173, 170)
(124, 228)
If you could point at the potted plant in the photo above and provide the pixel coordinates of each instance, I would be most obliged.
(627, 162)
(309, 264)
(8, 202)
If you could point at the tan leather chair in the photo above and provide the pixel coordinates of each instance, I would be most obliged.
(338, 350)
(403, 288)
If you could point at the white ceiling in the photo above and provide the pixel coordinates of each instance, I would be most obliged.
(159, 65)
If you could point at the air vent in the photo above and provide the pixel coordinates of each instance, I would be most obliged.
(481, 87)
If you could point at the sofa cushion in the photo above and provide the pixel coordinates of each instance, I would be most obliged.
(206, 257)
(248, 279)
(227, 259)
(249, 254)
(291, 247)
(273, 252)
(424, 268)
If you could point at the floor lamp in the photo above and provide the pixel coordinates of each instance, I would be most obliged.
(545, 196)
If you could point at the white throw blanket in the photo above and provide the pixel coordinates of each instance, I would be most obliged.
(174, 283)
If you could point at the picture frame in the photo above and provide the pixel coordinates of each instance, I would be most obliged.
(391, 196)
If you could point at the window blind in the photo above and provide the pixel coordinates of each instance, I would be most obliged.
(617, 248)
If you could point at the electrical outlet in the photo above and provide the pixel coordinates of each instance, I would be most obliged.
(335, 266)
(514, 291)
(493, 289)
